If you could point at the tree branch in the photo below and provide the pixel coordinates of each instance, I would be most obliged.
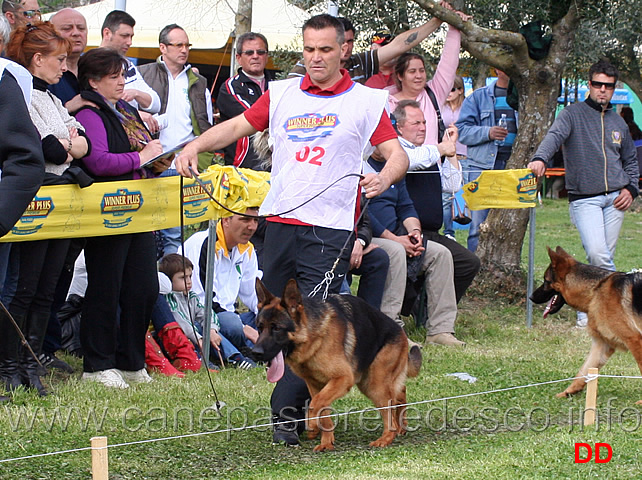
(485, 44)
(471, 30)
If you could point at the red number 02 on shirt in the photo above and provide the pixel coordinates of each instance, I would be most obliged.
(303, 155)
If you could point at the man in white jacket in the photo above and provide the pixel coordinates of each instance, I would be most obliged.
(235, 272)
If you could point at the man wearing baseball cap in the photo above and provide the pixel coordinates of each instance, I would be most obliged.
(385, 77)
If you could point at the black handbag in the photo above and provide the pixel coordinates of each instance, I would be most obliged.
(460, 215)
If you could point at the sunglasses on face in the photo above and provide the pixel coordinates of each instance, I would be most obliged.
(599, 85)
(454, 89)
(32, 13)
(249, 53)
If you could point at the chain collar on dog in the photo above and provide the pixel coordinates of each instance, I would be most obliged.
(329, 275)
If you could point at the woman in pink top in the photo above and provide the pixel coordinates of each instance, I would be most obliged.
(410, 78)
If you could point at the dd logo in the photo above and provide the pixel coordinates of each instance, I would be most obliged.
(589, 453)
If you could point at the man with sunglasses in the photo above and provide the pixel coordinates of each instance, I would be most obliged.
(601, 166)
(241, 91)
(21, 12)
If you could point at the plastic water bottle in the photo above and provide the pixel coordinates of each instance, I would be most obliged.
(502, 123)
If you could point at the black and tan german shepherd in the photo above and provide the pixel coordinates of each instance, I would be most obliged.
(612, 301)
(333, 345)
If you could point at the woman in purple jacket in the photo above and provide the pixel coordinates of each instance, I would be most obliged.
(121, 269)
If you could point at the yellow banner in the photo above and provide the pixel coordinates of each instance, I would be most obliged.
(112, 208)
(502, 189)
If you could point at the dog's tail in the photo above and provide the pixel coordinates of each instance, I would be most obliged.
(414, 360)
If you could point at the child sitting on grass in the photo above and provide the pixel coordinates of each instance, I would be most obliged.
(189, 312)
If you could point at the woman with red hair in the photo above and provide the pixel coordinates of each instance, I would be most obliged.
(42, 51)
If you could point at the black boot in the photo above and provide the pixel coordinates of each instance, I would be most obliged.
(9, 348)
(31, 368)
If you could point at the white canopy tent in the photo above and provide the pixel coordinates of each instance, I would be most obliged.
(208, 23)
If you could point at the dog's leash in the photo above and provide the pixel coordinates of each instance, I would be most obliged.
(271, 215)
(23, 340)
(218, 404)
(329, 275)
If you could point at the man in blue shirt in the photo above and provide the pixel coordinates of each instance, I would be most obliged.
(489, 146)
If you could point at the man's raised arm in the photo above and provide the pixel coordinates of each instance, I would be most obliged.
(406, 40)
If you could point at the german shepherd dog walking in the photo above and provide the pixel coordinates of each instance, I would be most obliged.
(333, 345)
(612, 301)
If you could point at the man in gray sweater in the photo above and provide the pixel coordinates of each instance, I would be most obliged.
(601, 166)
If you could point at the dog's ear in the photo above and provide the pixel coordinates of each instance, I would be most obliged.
(551, 252)
(561, 261)
(291, 298)
(558, 255)
(561, 251)
(263, 293)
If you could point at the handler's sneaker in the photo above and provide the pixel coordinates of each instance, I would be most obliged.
(136, 376)
(109, 378)
(582, 320)
(284, 432)
(447, 339)
(49, 360)
(244, 363)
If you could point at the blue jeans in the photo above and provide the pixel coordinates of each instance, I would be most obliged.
(598, 223)
(228, 350)
(447, 204)
(5, 249)
(232, 327)
(373, 271)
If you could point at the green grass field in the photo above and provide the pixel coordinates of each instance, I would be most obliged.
(520, 433)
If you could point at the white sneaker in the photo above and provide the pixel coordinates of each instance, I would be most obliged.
(582, 320)
(137, 376)
(109, 378)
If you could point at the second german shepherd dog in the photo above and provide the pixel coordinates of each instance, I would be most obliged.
(612, 301)
(333, 345)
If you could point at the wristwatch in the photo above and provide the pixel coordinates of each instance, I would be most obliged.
(362, 242)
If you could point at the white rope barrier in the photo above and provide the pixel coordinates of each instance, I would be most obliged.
(588, 378)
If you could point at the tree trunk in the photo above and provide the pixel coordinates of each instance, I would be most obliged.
(502, 235)
(243, 19)
(501, 239)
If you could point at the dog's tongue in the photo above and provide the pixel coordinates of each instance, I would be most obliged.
(549, 305)
(276, 368)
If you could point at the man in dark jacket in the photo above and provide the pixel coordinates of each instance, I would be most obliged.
(601, 167)
(170, 76)
(241, 91)
(425, 190)
(23, 170)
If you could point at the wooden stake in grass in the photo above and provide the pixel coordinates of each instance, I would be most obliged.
(591, 398)
(99, 458)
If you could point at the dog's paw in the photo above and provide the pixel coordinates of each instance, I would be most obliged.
(383, 441)
(563, 394)
(324, 447)
(639, 402)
